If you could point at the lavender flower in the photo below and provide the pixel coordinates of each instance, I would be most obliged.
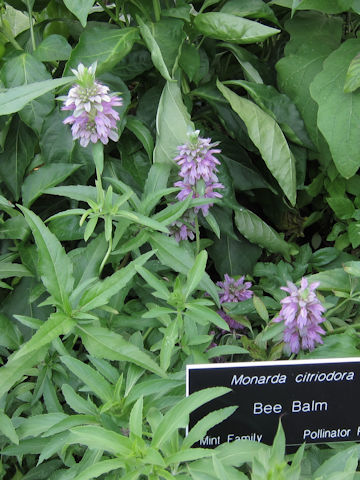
(234, 290)
(302, 313)
(93, 117)
(198, 170)
(184, 227)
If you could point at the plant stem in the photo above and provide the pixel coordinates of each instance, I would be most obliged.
(157, 10)
(197, 234)
(343, 329)
(110, 13)
(106, 256)
(31, 25)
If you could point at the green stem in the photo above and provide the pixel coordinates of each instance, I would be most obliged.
(157, 10)
(343, 329)
(31, 25)
(110, 13)
(197, 235)
(107, 254)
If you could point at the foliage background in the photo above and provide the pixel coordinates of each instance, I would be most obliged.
(100, 317)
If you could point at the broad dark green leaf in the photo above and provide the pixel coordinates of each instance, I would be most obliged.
(104, 45)
(45, 177)
(17, 155)
(54, 265)
(80, 8)
(52, 48)
(281, 108)
(231, 28)
(190, 60)
(258, 232)
(338, 117)
(26, 70)
(268, 137)
(16, 98)
(304, 55)
(104, 343)
(325, 6)
(244, 58)
(172, 124)
(250, 8)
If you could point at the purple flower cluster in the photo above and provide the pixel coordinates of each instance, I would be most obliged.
(233, 291)
(93, 117)
(184, 227)
(198, 170)
(302, 313)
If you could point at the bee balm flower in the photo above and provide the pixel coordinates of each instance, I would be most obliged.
(302, 313)
(93, 117)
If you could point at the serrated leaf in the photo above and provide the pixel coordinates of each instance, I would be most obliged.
(177, 416)
(100, 293)
(104, 343)
(268, 137)
(54, 265)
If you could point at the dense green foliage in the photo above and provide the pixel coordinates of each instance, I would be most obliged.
(101, 308)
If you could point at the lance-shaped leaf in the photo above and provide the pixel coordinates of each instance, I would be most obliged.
(15, 99)
(269, 139)
(54, 265)
(100, 293)
(104, 343)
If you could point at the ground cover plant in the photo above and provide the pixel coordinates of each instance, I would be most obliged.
(178, 184)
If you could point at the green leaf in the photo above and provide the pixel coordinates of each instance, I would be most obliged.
(9, 334)
(352, 79)
(142, 133)
(80, 8)
(17, 155)
(90, 377)
(104, 343)
(54, 265)
(206, 423)
(57, 324)
(25, 70)
(249, 8)
(177, 416)
(45, 177)
(16, 368)
(268, 137)
(204, 316)
(325, 6)
(100, 293)
(99, 468)
(181, 260)
(225, 350)
(76, 402)
(104, 45)
(280, 107)
(136, 418)
(337, 115)
(172, 125)
(154, 49)
(258, 232)
(342, 206)
(195, 273)
(53, 48)
(98, 437)
(231, 28)
(170, 338)
(141, 220)
(13, 270)
(343, 462)
(334, 279)
(7, 428)
(304, 56)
